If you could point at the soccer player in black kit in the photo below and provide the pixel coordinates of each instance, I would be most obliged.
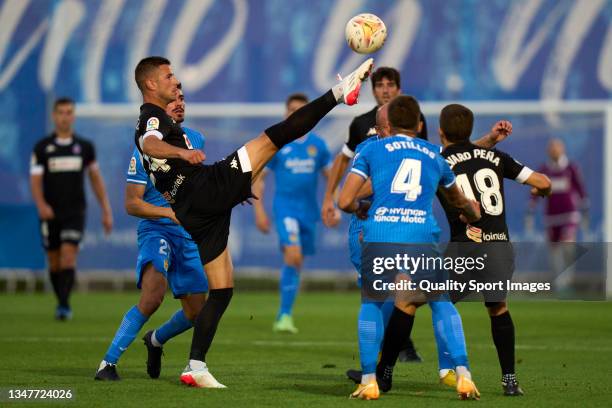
(57, 173)
(202, 196)
(480, 174)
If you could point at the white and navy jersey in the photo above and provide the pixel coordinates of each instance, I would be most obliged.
(363, 127)
(406, 173)
(167, 175)
(480, 174)
(62, 163)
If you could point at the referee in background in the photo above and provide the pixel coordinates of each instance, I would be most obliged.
(57, 169)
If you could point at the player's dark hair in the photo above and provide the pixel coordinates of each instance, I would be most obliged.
(298, 96)
(391, 74)
(456, 122)
(64, 100)
(145, 66)
(404, 113)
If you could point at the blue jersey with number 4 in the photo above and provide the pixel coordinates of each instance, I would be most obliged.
(136, 174)
(406, 173)
(296, 169)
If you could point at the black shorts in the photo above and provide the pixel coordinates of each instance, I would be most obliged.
(497, 259)
(65, 228)
(206, 209)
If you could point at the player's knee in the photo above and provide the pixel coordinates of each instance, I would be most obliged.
(67, 260)
(150, 302)
(496, 308)
(293, 257)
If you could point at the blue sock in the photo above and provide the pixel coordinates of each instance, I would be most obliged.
(387, 309)
(446, 318)
(444, 357)
(370, 333)
(177, 324)
(289, 285)
(126, 333)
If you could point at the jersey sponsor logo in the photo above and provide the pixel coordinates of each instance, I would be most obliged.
(234, 164)
(65, 164)
(300, 166)
(473, 233)
(404, 215)
(560, 184)
(187, 142)
(312, 151)
(178, 181)
(152, 124)
(132, 168)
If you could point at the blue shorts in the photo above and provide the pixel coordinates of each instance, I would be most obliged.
(293, 231)
(176, 257)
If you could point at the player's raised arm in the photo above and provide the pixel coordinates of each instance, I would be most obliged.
(499, 132)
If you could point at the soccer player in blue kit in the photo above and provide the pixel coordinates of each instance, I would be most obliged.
(167, 256)
(296, 167)
(405, 173)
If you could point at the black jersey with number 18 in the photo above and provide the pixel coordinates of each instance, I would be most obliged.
(480, 174)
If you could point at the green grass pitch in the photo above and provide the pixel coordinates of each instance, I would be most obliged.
(564, 355)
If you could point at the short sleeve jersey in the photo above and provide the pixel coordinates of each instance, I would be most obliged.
(62, 166)
(297, 167)
(406, 173)
(136, 174)
(480, 174)
(167, 175)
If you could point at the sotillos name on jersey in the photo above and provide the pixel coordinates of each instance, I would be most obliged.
(169, 196)
(409, 144)
(478, 154)
(409, 215)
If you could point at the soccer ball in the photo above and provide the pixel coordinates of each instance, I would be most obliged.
(365, 33)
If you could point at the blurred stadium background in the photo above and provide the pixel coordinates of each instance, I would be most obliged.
(546, 65)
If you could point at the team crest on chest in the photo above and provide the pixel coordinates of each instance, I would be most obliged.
(312, 150)
(76, 149)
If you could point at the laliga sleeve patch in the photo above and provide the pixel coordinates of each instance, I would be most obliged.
(152, 124)
(132, 168)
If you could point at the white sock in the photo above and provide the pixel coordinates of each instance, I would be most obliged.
(154, 340)
(443, 372)
(337, 91)
(368, 378)
(463, 370)
(197, 365)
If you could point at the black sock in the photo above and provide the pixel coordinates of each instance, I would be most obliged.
(205, 325)
(301, 121)
(502, 329)
(398, 330)
(68, 284)
(56, 282)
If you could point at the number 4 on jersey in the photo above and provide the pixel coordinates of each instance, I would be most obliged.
(407, 179)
